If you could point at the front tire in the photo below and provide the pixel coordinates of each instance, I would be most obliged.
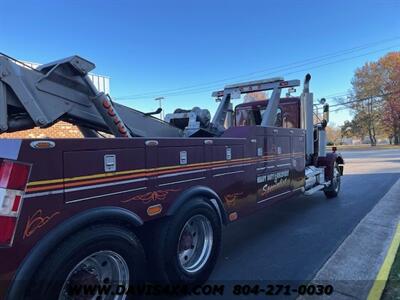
(334, 189)
(188, 244)
(96, 256)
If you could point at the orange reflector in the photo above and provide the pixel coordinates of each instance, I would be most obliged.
(233, 216)
(154, 209)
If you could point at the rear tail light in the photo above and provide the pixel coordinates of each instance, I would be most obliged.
(7, 230)
(13, 179)
(13, 175)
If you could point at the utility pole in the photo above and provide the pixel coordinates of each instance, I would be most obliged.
(159, 99)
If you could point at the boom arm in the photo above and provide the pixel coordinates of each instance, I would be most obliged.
(62, 91)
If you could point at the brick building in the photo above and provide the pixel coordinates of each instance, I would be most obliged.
(60, 129)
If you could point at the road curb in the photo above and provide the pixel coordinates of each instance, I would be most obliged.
(361, 264)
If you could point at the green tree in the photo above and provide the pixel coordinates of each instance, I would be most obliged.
(353, 128)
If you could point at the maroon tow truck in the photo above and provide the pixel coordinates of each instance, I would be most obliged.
(152, 197)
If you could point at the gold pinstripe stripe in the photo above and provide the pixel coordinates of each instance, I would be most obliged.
(172, 168)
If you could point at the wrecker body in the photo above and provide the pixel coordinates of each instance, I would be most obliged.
(151, 179)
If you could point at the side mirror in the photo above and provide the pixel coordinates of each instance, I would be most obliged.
(334, 149)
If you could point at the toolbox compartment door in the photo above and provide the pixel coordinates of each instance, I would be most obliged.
(104, 175)
(277, 165)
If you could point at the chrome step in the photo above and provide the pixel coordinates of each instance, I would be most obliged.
(314, 189)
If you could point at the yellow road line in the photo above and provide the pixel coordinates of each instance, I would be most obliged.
(381, 279)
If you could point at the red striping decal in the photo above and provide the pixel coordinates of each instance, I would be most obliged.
(150, 172)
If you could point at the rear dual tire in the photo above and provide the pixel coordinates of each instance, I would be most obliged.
(98, 255)
(186, 245)
(182, 249)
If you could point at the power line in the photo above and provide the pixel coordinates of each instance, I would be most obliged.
(360, 100)
(336, 95)
(331, 55)
(197, 91)
(340, 108)
(196, 88)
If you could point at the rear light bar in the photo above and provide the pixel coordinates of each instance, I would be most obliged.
(13, 180)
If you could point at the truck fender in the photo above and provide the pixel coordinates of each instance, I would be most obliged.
(199, 191)
(46, 245)
(328, 162)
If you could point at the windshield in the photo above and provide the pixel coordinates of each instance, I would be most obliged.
(253, 116)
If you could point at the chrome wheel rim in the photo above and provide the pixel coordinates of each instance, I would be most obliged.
(100, 268)
(195, 243)
(336, 180)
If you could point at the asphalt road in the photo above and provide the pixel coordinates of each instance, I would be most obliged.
(291, 241)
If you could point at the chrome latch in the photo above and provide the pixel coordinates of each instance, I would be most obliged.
(110, 163)
(183, 157)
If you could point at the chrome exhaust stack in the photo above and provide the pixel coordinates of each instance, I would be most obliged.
(306, 116)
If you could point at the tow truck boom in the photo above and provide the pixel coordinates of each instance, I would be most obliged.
(62, 90)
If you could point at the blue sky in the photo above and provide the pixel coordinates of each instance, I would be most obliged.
(154, 48)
